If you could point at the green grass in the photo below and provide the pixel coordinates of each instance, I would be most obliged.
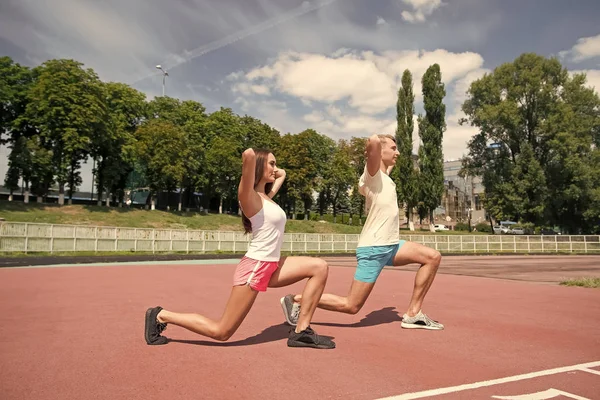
(136, 218)
(583, 282)
(158, 219)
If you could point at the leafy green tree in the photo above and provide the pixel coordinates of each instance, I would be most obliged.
(223, 167)
(337, 177)
(304, 156)
(114, 162)
(191, 116)
(357, 148)
(530, 189)
(257, 134)
(41, 173)
(161, 150)
(15, 82)
(67, 105)
(223, 124)
(532, 110)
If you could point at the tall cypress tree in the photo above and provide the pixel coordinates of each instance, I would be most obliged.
(404, 174)
(431, 131)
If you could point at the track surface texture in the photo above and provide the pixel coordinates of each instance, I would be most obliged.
(77, 332)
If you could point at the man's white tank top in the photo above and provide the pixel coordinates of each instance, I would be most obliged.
(268, 226)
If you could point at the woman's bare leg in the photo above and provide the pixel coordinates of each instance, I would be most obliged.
(239, 304)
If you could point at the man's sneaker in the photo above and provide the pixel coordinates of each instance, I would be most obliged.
(153, 328)
(420, 321)
(291, 309)
(309, 338)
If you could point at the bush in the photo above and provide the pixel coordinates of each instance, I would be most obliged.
(461, 226)
(483, 227)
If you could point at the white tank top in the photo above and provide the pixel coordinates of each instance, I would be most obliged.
(268, 226)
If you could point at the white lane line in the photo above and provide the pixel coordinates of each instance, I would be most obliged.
(545, 395)
(477, 385)
(591, 371)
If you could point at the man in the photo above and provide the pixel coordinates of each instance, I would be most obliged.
(380, 245)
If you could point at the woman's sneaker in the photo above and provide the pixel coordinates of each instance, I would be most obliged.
(309, 338)
(420, 321)
(153, 328)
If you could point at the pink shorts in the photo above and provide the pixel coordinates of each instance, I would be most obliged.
(255, 274)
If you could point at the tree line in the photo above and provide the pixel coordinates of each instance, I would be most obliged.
(537, 146)
(58, 114)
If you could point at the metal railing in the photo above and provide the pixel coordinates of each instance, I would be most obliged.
(49, 238)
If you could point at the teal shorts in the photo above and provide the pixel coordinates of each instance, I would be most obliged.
(372, 259)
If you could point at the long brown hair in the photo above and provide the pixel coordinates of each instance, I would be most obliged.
(262, 156)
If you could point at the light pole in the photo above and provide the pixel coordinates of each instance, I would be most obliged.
(165, 74)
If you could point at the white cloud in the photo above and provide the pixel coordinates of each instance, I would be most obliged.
(367, 81)
(585, 48)
(314, 117)
(456, 137)
(413, 17)
(354, 93)
(421, 9)
(320, 78)
(593, 78)
(248, 89)
(462, 85)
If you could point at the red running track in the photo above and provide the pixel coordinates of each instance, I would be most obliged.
(77, 333)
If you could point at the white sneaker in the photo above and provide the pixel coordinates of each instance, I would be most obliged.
(420, 321)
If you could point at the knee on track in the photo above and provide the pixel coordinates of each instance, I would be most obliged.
(354, 308)
(224, 335)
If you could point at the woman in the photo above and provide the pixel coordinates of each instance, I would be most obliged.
(261, 267)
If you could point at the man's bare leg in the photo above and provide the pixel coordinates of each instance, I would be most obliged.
(429, 259)
(351, 304)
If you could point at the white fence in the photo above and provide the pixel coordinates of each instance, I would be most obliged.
(33, 237)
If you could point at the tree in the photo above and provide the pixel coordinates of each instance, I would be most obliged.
(592, 214)
(41, 171)
(404, 174)
(257, 134)
(357, 161)
(15, 82)
(304, 156)
(111, 151)
(191, 116)
(224, 168)
(337, 177)
(224, 124)
(161, 149)
(531, 109)
(67, 105)
(530, 190)
(431, 129)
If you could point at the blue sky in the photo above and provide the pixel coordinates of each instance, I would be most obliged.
(330, 65)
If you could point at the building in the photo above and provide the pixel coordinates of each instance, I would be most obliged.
(461, 195)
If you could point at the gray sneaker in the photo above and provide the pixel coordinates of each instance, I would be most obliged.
(291, 309)
(420, 321)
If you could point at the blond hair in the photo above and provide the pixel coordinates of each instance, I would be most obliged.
(382, 137)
